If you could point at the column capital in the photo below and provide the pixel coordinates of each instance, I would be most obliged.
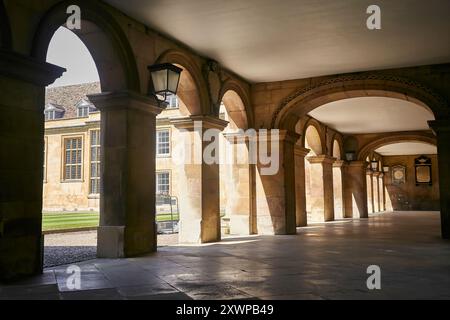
(369, 172)
(357, 163)
(283, 135)
(239, 136)
(321, 159)
(376, 174)
(208, 122)
(338, 163)
(439, 126)
(126, 100)
(301, 151)
(28, 69)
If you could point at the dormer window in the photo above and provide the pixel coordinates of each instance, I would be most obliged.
(53, 112)
(84, 108)
(172, 101)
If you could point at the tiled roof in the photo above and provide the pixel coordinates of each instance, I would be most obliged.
(69, 96)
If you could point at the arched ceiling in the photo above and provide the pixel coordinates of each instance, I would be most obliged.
(272, 40)
(373, 115)
(407, 148)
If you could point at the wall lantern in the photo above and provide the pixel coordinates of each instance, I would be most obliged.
(374, 165)
(350, 156)
(165, 79)
(385, 169)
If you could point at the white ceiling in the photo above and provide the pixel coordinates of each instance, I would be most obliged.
(406, 149)
(271, 40)
(373, 115)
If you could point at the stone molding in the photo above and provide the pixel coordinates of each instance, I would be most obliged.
(301, 151)
(338, 164)
(27, 69)
(321, 159)
(208, 122)
(126, 100)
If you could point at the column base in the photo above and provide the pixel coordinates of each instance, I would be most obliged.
(122, 242)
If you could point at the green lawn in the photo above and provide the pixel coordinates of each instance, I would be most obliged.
(63, 220)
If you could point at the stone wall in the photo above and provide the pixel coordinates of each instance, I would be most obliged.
(408, 196)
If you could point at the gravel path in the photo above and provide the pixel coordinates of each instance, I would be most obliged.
(66, 248)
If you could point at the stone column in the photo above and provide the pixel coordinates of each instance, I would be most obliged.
(127, 202)
(300, 186)
(376, 192)
(237, 184)
(275, 187)
(199, 183)
(338, 183)
(370, 203)
(22, 100)
(381, 192)
(355, 190)
(441, 129)
(322, 199)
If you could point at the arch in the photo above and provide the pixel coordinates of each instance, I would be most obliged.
(313, 140)
(5, 28)
(246, 109)
(103, 37)
(192, 89)
(337, 149)
(236, 110)
(387, 139)
(316, 136)
(308, 98)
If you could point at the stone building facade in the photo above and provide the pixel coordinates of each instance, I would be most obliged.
(72, 175)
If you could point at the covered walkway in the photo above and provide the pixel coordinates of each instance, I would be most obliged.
(323, 261)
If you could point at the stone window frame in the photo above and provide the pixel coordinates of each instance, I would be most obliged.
(96, 162)
(64, 179)
(170, 99)
(169, 173)
(164, 155)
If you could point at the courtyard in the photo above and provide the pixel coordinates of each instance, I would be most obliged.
(323, 261)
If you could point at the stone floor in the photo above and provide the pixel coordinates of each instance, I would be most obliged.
(323, 261)
(73, 247)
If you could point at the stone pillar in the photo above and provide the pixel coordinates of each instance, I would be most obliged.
(381, 192)
(355, 190)
(376, 192)
(441, 129)
(338, 183)
(300, 186)
(199, 182)
(275, 189)
(237, 184)
(22, 100)
(370, 203)
(127, 202)
(322, 199)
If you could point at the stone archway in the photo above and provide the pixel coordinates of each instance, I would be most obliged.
(198, 182)
(306, 99)
(192, 88)
(338, 176)
(236, 172)
(244, 110)
(104, 39)
(318, 176)
(386, 139)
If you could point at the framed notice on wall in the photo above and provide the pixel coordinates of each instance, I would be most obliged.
(422, 166)
(398, 174)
